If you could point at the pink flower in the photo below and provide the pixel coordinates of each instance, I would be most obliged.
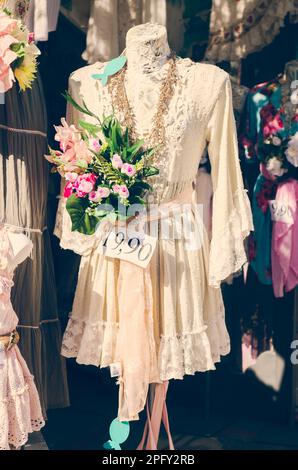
(122, 190)
(271, 120)
(82, 152)
(84, 184)
(94, 144)
(117, 161)
(71, 176)
(116, 188)
(7, 57)
(123, 193)
(31, 38)
(7, 24)
(67, 135)
(94, 196)
(128, 169)
(103, 191)
(68, 189)
(99, 194)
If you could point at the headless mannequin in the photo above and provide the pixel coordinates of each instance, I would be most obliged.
(21, 246)
(147, 52)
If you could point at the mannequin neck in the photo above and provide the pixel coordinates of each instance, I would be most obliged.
(291, 71)
(147, 48)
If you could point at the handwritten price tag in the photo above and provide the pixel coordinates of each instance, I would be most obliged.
(136, 250)
(280, 213)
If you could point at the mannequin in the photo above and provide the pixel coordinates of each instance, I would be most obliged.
(169, 321)
(147, 52)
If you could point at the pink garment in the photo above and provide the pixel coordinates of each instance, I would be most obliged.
(284, 249)
(138, 357)
(159, 414)
(20, 411)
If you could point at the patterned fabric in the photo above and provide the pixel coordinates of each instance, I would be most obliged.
(268, 96)
(20, 410)
(241, 27)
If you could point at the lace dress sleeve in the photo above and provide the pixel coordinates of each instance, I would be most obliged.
(231, 218)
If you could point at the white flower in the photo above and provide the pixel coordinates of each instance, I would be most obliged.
(276, 141)
(274, 166)
(292, 150)
(294, 97)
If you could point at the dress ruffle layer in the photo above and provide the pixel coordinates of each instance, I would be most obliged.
(20, 411)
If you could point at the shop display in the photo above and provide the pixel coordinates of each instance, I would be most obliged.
(20, 410)
(176, 326)
(270, 138)
(23, 199)
(167, 229)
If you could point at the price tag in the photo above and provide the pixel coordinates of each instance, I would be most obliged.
(280, 213)
(134, 248)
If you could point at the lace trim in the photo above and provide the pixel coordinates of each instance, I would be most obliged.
(20, 391)
(235, 43)
(227, 252)
(91, 343)
(190, 352)
(20, 414)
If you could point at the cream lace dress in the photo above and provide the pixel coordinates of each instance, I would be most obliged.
(168, 320)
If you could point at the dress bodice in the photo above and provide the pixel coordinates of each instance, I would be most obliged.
(9, 259)
(190, 109)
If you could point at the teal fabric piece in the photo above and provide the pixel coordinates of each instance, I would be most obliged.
(111, 68)
(262, 237)
(119, 432)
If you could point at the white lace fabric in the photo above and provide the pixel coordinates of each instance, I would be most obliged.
(20, 411)
(188, 332)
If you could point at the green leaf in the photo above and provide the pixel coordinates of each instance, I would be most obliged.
(133, 150)
(137, 200)
(150, 171)
(81, 222)
(91, 128)
(82, 109)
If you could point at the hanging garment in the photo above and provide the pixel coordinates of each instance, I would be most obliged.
(180, 303)
(23, 200)
(111, 19)
(42, 18)
(20, 411)
(262, 99)
(285, 240)
(241, 27)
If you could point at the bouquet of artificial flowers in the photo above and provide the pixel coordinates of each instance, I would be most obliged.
(18, 53)
(105, 170)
